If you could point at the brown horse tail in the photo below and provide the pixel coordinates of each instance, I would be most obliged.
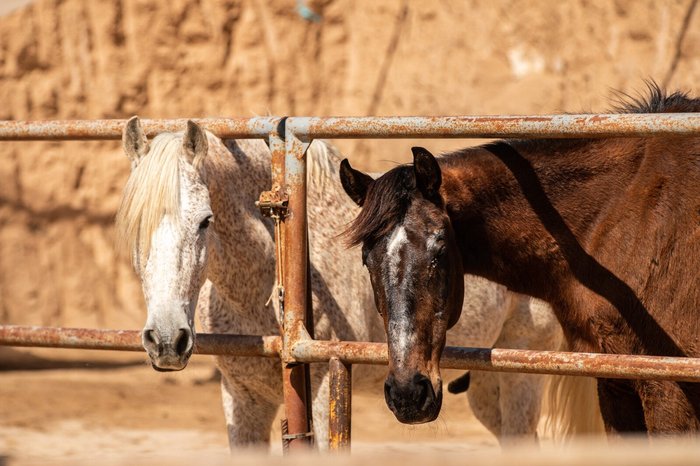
(460, 384)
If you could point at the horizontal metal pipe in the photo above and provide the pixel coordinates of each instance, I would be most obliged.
(504, 360)
(306, 128)
(130, 340)
(507, 360)
(64, 130)
(499, 126)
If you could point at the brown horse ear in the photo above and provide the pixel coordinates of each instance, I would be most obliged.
(355, 183)
(427, 171)
(195, 142)
(134, 140)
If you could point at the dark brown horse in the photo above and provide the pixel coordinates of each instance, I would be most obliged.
(606, 230)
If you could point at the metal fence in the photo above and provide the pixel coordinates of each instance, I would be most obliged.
(288, 139)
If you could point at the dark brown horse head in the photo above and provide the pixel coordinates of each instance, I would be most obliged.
(409, 248)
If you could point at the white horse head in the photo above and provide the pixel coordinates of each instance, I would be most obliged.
(163, 222)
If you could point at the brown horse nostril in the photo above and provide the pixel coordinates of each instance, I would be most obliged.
(387, 392)
(425, 393)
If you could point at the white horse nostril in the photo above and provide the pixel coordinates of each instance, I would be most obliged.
(150, 337)
(182, 341)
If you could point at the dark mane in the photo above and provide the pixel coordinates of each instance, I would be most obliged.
(385, 205)
(390, 195)
(655, 100)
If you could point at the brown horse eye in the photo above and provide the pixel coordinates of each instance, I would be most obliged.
(204, 224)
(439, 254)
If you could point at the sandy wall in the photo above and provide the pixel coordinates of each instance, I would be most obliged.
(176, 58)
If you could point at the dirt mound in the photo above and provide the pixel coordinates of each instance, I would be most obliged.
(174, 58)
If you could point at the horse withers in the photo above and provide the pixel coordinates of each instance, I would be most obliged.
(606, 230)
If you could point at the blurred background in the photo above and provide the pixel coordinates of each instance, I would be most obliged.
(86, 59)
(196, 58)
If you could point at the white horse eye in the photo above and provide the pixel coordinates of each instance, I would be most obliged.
(204, 224)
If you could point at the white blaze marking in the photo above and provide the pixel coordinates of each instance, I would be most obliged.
(400, 328)
(398, 238)
(393, 252)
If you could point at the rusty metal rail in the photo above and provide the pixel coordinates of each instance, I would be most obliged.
(500, 126)
(306, 128)
(614, 366)
(76, 130)
(288, 139)
(348, 353)
(130, 340)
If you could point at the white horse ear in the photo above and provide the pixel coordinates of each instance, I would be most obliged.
(195, 142)
(134, 140)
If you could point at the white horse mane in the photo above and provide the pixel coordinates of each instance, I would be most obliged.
(153, 188)
(151, 192)
(323, 160)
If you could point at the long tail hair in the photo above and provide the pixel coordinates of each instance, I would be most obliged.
(570, 408)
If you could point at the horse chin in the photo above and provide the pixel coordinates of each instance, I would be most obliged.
(162, 369)
(423, 415)
(170, 363)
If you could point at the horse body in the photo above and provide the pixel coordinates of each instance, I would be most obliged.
(617, 248)
(604, 230)
(234, 251)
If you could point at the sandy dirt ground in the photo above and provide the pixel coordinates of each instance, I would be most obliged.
(112, 406)
(63, 407)
(114, 410)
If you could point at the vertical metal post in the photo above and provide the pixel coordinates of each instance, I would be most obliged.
(297, 393)
(273, 203)
(275, 141)
(340, 401)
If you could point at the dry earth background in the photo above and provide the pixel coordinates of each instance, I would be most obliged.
(194, 58)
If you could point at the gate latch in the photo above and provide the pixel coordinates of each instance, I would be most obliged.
(273, 203)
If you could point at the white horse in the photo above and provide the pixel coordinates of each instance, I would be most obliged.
(188, 218)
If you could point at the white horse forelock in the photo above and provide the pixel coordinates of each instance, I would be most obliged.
(151, 192)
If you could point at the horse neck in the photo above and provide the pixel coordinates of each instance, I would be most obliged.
(523, 211)
(241, 263)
